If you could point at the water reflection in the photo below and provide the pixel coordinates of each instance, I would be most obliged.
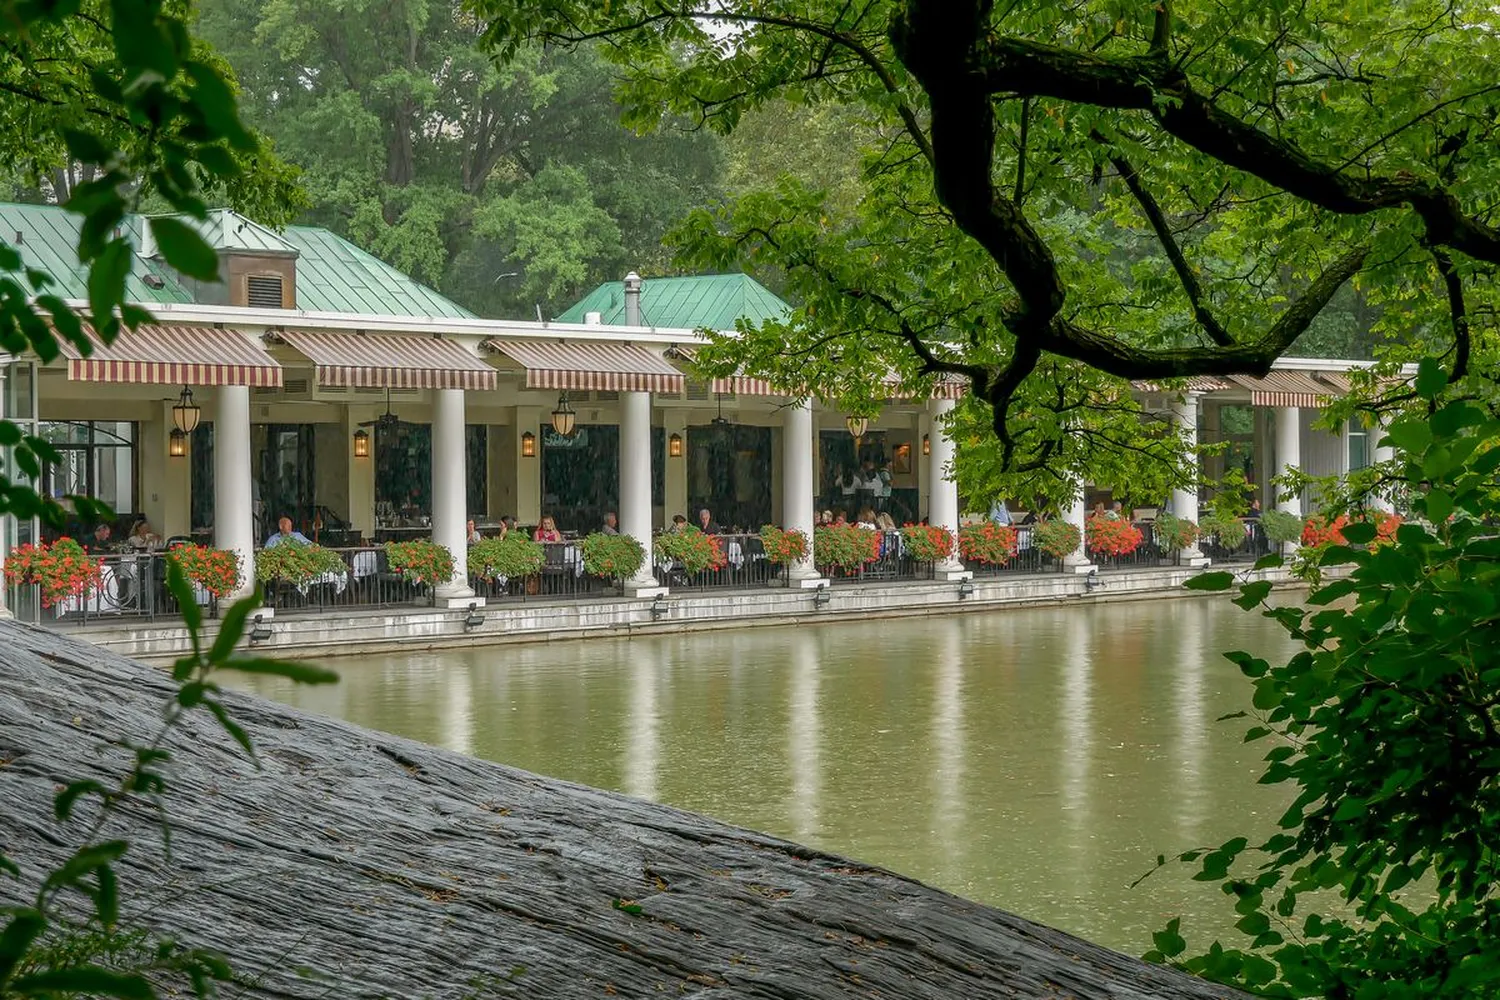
(1038, 760)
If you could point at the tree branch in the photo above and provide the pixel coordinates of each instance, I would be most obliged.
(1453, 285)
(1161, 30)
(1158, 220)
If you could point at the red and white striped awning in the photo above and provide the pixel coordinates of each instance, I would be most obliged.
(1285, 388)
(739, 385)
(389, 360)
(1194, 383)
(590, 366)
(947, 386)
(174, 355)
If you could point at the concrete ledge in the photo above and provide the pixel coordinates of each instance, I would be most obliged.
(545, 621)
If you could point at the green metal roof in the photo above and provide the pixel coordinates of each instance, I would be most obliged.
(698, 302)
(333, 275)
(48, 240)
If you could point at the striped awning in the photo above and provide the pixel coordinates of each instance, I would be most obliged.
(590, 366)
(174, 355)
(739, 385)
(388, 360)
(947, 386)
(1285, 388)
(1193, 383)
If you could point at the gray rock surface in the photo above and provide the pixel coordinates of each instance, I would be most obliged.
(358, 865)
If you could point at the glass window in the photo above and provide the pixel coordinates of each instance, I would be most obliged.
(1359, 450)
(98, 460)
(403, 470)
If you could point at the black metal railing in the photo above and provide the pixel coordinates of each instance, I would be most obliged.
(1247, 548)
(365, 581)
(1027, 559)
(131, 585)
(893, 564)
(745, 567)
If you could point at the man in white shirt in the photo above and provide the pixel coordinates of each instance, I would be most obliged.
(284, 533)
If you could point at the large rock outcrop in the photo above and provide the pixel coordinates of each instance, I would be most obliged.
(358, 865)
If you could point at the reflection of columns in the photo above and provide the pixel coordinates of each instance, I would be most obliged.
(804, 738)
(797, 487)
(948, 744)
(1383, 453)
(1191, 629)
(1077, 725)
(1288, 453)
(942, 504)
(1185, 501)
(232, 515)
(1076, 514)
(449, 495)
(642, 750)
(458, 709)
(635, 485)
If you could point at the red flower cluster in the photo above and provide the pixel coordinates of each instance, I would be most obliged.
(845, 546)
(1385, 528)
(927, 542)
(1109, 536)
(62, 569)
(215, 570)
(694, 551)
(987, 542)
(1319, 531)
(783, 547)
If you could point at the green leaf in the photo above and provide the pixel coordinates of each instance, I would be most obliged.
(231, 727)
(84, 861)
(232, 628)
(1332, 592)
(1358, 532)
(25, 926)
(107, 283)
(1252, 594)
(184, 249)
(85, 146)
(87, 979)
(1170, 941)
(187, 605)
(1431, 379)
(300, 673)
(634, 909)
(1272, 561)
(1210, 581)
(1437, 505)
(63, 801)
(1349, 808)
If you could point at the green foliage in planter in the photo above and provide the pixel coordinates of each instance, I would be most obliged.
(422, 562)
(296, 563)
(1057, 538)
(844, 546)
(614, 557)
(1227, 528)
(1281, 526)
(508, 558)
(1174, 532)
(691, 549)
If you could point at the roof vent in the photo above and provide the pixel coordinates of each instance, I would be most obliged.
(264, 291)
(20, 237)
(589, 318)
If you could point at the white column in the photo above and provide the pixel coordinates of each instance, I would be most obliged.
(797, 487)
(635, 486)
(1383, 453)
(942, 503)
(1076, 514)
(449, 469)
(233, 518)
(1185, 501)
(1288, 453)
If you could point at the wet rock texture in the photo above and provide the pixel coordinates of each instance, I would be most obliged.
(357, 865)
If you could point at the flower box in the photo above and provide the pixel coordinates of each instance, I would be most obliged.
(988, 543)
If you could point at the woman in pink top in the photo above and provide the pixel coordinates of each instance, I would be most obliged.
(547, 531)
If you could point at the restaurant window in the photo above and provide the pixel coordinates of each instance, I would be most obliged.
(97, 459)
(201, 472)
(1359, 450)
(403, 471)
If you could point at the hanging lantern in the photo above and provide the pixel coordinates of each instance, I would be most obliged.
(674, 446)
(528, 445)
(857, 425)
(926, 445)
(563, 418)
(361, 443)
(186, 413)
(177, 443)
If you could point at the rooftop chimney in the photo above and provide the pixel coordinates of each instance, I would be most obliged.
(632, 299)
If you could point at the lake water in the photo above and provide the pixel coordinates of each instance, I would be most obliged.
(1036, 760)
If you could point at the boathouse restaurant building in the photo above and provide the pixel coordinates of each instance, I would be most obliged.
(319, 383)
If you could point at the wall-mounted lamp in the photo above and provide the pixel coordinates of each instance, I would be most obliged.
(186, 413)
(260, 630)
(965, 589)
(361, 443)
(473, 619)
(857, 425)
(177, 443)
(528, 445)
(674, 446)
(563, 418)
(926, 444)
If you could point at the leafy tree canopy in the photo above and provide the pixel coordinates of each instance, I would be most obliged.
(1055, 198)
(505, 185)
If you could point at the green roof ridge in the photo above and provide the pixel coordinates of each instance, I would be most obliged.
(687, 302)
